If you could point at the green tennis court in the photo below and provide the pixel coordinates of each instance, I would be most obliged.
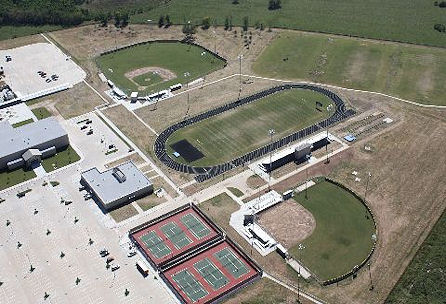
(189, 285)
(211, 273)
(155, 244)
(176, 235)
(195, 225)
(231, 263)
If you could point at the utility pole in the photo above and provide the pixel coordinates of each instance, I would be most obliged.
(271, 133)
(326, 149)
(240, 57)
(300, 248)
(306, 178)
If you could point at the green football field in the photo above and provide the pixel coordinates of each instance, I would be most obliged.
(183, 62)
(399, 20)
(343, 234)
(410, 72)
(241, 130)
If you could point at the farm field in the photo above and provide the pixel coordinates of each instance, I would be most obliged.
(9, 32)
(343, 234)
(424, 280)
(379, 19)
(409, 72)
(241, 130)
(155, 66)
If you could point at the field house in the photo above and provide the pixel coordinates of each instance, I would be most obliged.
(193, 256)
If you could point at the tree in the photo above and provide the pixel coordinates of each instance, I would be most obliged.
(117, 18)
(245, 23)
(235, 1)
(274, 4)
(226, 24)
(161, 21)
(168, 22)
(206, 23)
(125, 19)
(440, 27)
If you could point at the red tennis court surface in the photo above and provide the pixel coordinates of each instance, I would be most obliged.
(212, 274)
(175, 233)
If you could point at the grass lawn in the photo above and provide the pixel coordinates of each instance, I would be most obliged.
(424, 280)
(399, 20)
(123, 213)
(11, 178)
(241, 130)
(343, 234)
(219, 209)
(235, 191)
(61, 159)
(41, 113)
(22, 123)
(409, 72)
(178, 58)
(8, 32)
(264, 291)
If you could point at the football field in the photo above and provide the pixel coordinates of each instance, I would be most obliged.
(243, 129)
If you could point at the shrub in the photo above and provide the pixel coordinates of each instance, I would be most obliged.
(440, 27)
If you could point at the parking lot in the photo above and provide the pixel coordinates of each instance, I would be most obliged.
(50, 244)
(97, 143)
(38, 67)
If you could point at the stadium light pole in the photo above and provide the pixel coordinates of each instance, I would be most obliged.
(306, 176)
(240, 57)
(300, 248)
(271, 133)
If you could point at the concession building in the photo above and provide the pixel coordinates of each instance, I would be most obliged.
(28, 144)
(117, 186)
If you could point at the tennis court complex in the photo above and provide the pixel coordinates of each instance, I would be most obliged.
(193, 257)
(211, 274)
(170, 236)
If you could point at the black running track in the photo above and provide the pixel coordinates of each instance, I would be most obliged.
(205, 173)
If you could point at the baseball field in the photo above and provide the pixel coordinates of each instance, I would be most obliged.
(342, 238)
(152, 67)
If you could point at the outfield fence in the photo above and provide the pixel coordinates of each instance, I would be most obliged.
(165, 41)
(359, 266)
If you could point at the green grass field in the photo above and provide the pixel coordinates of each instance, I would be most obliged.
(409, 72)
(22, 123)
(9, 32)
(185, 61)
(399, 20)
(424, 280)
(11, 178)
(236, 132)
(61, 159)
(343, 234)
(41, 113)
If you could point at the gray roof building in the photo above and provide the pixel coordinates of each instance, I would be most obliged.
(117, 186)
(40, 135)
